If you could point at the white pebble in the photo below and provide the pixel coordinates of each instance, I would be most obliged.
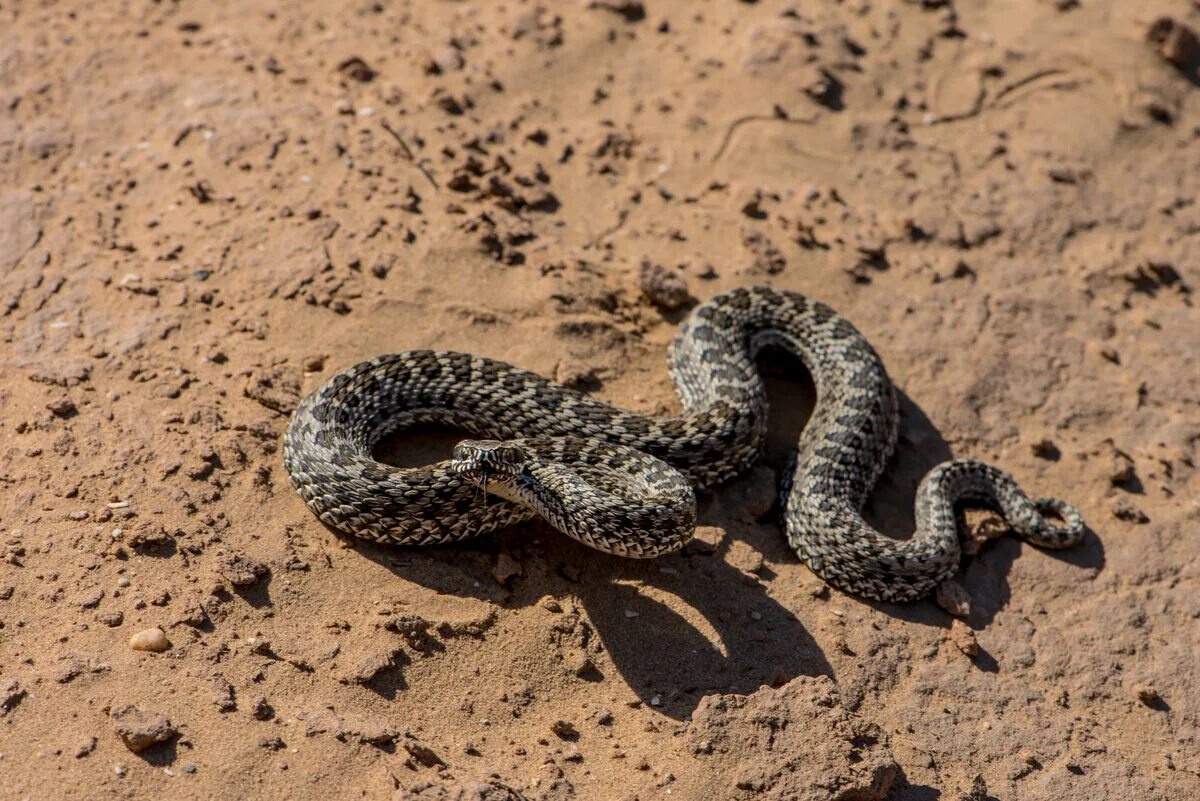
(153, 639)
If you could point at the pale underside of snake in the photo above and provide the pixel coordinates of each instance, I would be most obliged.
(624, 482)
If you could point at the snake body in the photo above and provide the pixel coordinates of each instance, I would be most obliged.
(621, 481)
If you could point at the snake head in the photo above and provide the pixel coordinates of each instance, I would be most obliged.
(486, 460)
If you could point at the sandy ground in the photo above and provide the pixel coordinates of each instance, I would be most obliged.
(207, 208)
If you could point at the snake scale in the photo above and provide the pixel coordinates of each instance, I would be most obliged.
(623, 482)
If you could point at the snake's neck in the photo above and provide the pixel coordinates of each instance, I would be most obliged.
(517, 489)
(539, 488)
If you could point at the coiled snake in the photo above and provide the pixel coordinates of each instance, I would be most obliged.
(623, 482)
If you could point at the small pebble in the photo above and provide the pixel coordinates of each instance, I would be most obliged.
(258, 645)
(564, 729)
(963, 638)
(1176, 43)
(63, 407)
(92, 599)
(140, 729)
(152, 639)
(953, 597)
(506, 568)
(665, 288)
(1148, 696)
(112, 619)
(1046, 449)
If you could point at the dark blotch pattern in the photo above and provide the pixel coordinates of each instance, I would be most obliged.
(623, 482)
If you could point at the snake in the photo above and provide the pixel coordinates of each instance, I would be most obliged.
(625, 483)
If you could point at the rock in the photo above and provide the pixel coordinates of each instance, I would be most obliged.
(152, 639)
(140, 729)
(1124, 509)
(1121, 470)
(1148, 696)
(423, 754)
(415, 631)
(261, 709)
(665, 288)
(63, 372)
(223, 695)
(375, 663)
(258, 645)
(506, 568)
(348, 729)
(441, 60)
(953, 597)
(705, 540)
(794, 743)
(242, 571)
(582, 666)
(631, 10)
(1046, 449)
(91, 599)
(461, 180)
(1176, 43)
(356, 69)
(112, 619)
(11, 694)
(823, 87)
(63, 407)
(85, 747)
(277, 389)
(564, 729)
(68, 669)
(963, 638)
(149, 534)
(752, 205)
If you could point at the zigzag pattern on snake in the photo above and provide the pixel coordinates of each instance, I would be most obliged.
(623, 482)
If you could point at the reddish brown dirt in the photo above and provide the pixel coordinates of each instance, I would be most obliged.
(207, 208)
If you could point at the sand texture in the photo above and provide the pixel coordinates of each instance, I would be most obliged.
(207, 208)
